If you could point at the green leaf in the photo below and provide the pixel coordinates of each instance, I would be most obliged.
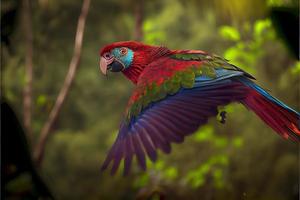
(238, 142)
(171, 173)
(229, 33)
(204, 134)
(260, 26)
(41, 100)
(159, 165)
(141, 181)
(296, 69)
(275, 2)
(221, 142)
(218, 178)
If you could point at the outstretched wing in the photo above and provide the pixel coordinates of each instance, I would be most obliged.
(174, 96)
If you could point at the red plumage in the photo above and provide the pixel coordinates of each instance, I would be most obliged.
(143, 55)
(281, 120)
(146, 54)
(176, 92)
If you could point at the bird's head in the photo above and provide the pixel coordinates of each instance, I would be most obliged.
(129, 57)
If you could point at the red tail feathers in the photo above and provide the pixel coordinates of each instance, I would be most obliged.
(283, 121)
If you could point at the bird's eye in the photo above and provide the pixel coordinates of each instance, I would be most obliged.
(107, 55)
(123, 51)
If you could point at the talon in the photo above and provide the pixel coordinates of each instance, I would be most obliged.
(223, 117)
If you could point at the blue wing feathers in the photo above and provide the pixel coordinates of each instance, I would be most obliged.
(146, 141)
(266, 94)
(176, 116)
(138, 150)
(170, 120)
(170, 129)
(221, 74)
(128, 154)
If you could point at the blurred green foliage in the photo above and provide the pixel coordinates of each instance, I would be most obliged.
(247, 51)
(20, 184)
(241, 159)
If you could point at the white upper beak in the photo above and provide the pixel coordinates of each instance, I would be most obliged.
(104, 63)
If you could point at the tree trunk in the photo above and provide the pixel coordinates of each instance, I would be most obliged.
(27, 92)
(139, 14)
(46, 130)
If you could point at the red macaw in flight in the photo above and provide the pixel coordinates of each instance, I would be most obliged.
(176, 92)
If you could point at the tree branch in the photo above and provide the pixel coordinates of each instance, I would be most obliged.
(40, 148)
(27, 92)
(139, 12)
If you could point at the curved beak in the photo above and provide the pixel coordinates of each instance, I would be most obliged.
(112, 64)
(104, 64)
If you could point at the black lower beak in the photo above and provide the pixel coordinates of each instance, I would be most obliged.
(115, 66)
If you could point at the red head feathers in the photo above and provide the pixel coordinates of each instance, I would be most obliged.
(142, 55)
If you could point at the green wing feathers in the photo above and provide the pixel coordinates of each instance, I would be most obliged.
(168, 75)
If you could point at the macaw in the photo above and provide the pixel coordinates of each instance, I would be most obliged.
(176, 92)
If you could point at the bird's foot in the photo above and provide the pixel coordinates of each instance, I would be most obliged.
(222, 117)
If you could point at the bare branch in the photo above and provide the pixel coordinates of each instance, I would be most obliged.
(139, 12)
(27, 92)
(40, 148)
